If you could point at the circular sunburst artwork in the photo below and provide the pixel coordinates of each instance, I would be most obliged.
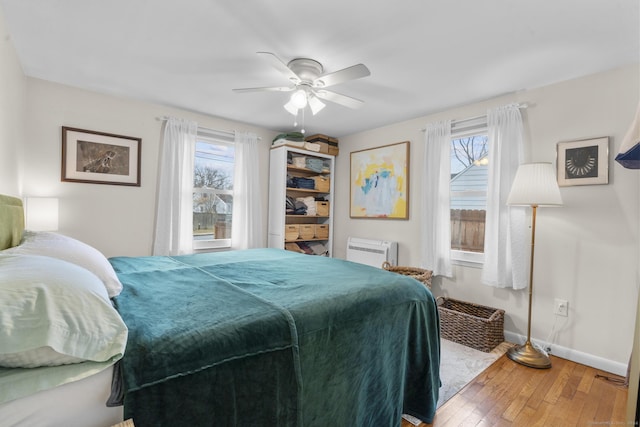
(581, 162)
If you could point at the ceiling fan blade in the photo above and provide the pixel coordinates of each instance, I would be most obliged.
(351, 73)
(266, 89)
(338, 98)
(280, 66)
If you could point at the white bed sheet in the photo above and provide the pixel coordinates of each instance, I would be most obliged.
(77, 404)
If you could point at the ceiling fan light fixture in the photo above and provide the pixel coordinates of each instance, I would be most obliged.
(292, 109)
(299, 98)
(316, 105)
(308, 84)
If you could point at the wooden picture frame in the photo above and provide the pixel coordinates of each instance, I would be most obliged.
(100, 158)
(379, 186)
(583, 162)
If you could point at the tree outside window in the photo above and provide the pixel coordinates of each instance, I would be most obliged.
(213, 190)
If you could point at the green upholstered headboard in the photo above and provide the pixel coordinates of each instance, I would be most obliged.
(11, 221)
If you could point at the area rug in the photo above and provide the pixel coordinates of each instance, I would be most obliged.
(459, 365)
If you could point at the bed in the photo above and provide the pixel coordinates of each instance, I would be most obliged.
(264, 337)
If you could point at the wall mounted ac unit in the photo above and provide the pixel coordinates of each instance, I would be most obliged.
(372, 252)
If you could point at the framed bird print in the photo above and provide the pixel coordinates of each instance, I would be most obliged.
(100, 158)
(583, 162)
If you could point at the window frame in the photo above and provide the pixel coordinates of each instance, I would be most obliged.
(471, 127)
(217, 138)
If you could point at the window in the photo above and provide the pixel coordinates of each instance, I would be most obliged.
(213, 190)
(468, 191)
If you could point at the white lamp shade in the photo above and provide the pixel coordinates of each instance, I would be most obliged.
(41, 213)
(535, 185)
(315, 104)
(299, 98)
(292, 109)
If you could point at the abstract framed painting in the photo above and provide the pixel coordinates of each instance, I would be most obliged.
(100, 158)
(379, 186)
(583, 162)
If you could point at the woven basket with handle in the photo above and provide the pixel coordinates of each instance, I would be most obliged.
(419, 274)
(476, 326)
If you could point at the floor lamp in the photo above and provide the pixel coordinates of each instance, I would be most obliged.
(534, 185)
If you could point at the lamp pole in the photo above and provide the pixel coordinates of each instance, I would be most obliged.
(527, 354)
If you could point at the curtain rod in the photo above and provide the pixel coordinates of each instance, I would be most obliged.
(459, 122)
(227, 133)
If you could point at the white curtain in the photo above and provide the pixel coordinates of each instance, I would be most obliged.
(174, 217)
(246, 228)
(506, 229)
(436, 229)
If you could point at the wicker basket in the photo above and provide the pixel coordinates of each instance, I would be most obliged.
(419, 274)
(469, 324)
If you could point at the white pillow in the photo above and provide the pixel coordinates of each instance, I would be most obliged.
(68, 249)
(53, 313)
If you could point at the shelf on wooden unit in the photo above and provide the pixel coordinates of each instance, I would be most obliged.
(306, 170)
(306, 190)
(307, 216)
(306, 240)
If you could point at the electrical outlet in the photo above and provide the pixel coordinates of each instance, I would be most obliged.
(561, 307)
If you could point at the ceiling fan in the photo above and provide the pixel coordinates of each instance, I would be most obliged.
(308, 83)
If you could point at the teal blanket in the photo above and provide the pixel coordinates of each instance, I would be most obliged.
(266, 337)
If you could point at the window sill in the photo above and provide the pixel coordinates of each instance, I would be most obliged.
(467, 259)
(200, 245)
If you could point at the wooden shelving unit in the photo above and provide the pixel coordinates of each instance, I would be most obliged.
(279, 169)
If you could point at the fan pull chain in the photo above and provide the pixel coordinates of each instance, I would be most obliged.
(295, 121)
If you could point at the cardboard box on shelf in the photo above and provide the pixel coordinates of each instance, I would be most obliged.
(328, 144)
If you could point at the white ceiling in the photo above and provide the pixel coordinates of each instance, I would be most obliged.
(424, 56)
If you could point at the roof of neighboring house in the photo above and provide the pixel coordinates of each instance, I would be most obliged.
(473, 178)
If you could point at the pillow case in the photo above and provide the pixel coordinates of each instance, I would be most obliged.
(74, 251)
(53, 313)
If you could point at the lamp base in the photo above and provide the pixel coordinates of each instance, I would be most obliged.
(527, 355)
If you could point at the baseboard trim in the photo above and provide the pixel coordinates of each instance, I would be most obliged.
(597, 362)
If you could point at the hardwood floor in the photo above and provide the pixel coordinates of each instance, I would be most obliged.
(509, 394)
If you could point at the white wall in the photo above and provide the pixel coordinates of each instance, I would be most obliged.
(12, 112)
(586, 251)
(118, 220)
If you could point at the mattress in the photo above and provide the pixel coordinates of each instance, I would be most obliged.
(79, 403)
